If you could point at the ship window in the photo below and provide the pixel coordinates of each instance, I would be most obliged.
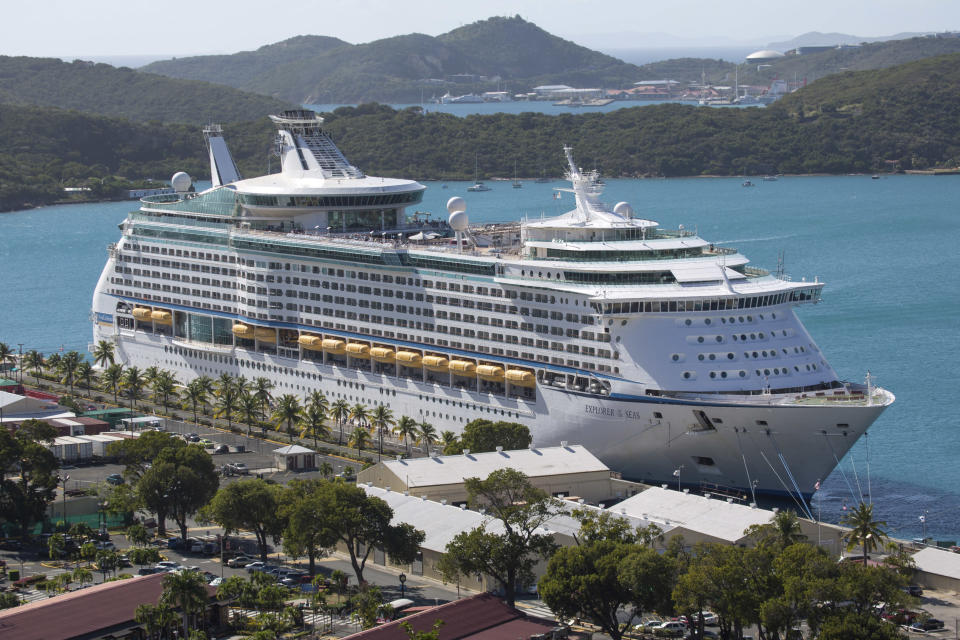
(704, 461)
(658, 415)
(761, 423)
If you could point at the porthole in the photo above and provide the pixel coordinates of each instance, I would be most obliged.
(700, 339)
(735, 337)
(749, 318)
(731, 320)
(687, 322)
(760, 316)
(743, 337)
(729, 356)
(723, 374)
(719, 338)
(713, 374)
(676, 357)
(713, 356)
(741, 318)
(743, 374)
(700, 357)
(753, 336)
(707, 321)
(766, 372)
(773, 316)
(761, 335)
(686, 375)
(764, 353)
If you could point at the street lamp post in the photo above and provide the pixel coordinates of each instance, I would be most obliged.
(20, 363)
(676, 473)
(923, 525)
(403, 580)
(63, 480)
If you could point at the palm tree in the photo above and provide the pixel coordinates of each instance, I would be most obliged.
(82, 575)
(133, 383)
(326, 470)
(318, 399)
(85, 372)
(359, 438)
(150, 373)
(382, 419)
(260, 388)
(786, 528)
(227, 396)
(68, 368)
(340, 411)
(406, 427)
(865, 532)
(248, 405)
(164, 386)
(53, 362)
(426, 435)
(314, 419)
(447, 438)
(34, 360)
(186, 590)
(146, 614)
(103, 353)
(287, 410)
(111, 379)
(194, 394)
(6, 354)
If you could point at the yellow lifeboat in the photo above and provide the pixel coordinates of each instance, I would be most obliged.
(161, 316)
(383, 354)
(521, 378)
(142, 313)
(491, 373)
(436, 363)
(334, 346)
(242, 330)
(358, 350)
(311, 342)
(265, 334)
(408, 358)
(463, 367)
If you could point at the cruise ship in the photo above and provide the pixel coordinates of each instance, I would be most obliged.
(670, 358)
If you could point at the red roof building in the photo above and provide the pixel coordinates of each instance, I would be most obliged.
(101, 611)
(481, 617)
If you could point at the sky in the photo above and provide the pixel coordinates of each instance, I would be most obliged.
(99, 28)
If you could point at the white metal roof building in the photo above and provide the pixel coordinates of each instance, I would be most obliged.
(569, 470)
(696, 517)
(937, 568)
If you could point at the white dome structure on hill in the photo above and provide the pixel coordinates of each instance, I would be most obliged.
(764, 54)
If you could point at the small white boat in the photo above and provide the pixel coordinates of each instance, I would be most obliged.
(477, 182)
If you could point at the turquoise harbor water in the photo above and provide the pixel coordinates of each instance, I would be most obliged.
(885, 248)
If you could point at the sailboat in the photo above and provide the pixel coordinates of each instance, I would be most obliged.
(477, 182)
(516, 183)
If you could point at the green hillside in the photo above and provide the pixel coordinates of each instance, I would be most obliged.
(106, 90)
(906, 116)
(394, 69)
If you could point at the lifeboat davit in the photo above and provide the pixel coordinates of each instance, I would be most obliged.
(436, 363)
(463, 367)
(521, 378)
(358, 350)
(334, 346)
(491, 373)
(310, 342)
(383, 354)
(161, 316)
(408, 358)
(142, 313)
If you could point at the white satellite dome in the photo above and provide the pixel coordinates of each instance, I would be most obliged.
(455, 204)
(458, 221)
(764, 54)
(623, 209)
(181, 182)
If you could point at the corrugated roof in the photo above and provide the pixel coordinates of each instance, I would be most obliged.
(82, 612)
(477, 618)
(444, 470)
(710, 516)
(938, 562)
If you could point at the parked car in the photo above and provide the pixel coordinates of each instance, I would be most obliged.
(148, 571)
(222, 449)
(115, 478)
(256, 565)
(105, 544)
(167, 565)
(239, 561)
(671, 628)
(216, 582)
(175, 543)
(240, 468)
(710, 618)
(930, 624)
(914, 590)
(123, 561)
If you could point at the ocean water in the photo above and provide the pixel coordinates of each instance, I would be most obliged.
(547, 107)
(885, 248)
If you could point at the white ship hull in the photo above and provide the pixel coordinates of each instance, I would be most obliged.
(798, 446)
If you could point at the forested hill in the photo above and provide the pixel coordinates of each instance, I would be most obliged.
(105, 90)
(394, 69)
(906, 117)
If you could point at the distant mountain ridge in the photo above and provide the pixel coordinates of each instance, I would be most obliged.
(315, 69)
(818, 39)
(105, 90)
